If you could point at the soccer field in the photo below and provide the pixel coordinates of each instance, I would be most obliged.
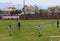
(29, 30)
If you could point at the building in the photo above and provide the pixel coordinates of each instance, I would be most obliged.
(6, 11)
(30, 10)
(53, 10)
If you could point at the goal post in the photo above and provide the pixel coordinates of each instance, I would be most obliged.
(51, 37)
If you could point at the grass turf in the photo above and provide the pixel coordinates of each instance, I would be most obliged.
(29, 31)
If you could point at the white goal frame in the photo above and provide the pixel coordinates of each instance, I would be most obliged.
(50, 37)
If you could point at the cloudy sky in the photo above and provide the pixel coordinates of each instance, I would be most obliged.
(44, 4)
(34, 2)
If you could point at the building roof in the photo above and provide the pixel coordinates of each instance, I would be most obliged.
(9, 9)
(53, 7)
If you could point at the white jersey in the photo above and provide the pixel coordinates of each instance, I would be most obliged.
(38, 29)
(52, 21)
(10, 28)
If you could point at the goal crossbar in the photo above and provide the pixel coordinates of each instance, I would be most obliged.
(54, 36)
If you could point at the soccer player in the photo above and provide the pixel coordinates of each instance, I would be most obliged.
(16, 23)
(52, 21)
(39, 31)
(10, 30)
(57, 23)
(19, 25)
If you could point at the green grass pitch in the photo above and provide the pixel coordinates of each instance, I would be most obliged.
(29, 31)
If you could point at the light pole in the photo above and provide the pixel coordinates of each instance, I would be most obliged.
(24, 8)
(24, 5)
